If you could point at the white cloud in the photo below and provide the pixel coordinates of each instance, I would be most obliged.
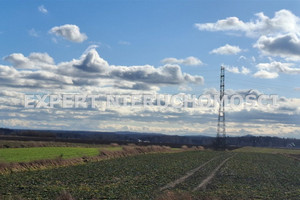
(265, 74)
(42, 9)
(284, 21)
(32, 32)
(69, 32)
(245, 70)
(279, 67)
(277, 36)
(279, 120)
(226, 50)
(31, 80)
(285, 46)
(242, 58)
(236, 70)
(189, 61)
(39, 70)
(122, 42)
(33, 61)
(91, 62)
(185, 88)
(41, 58)
(272, 70)
(92, 65)
(167, 74)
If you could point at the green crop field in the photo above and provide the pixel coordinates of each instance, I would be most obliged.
(39, 153)
(268, 150)
(195, 174)
(257, 176)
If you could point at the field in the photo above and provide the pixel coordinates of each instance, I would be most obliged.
(239, 174)
(257, 176)
(23, 144)
(268, 150)
(39, 153)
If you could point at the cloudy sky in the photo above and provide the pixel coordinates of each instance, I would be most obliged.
(151, 47)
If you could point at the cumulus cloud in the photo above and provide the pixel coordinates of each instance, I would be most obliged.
(134, 86)
(42, 9)
(46, 77)
(12, 78)
(168, 120)
(265, 74)
(284, 21)
(69, 32)
(236, 70)
(278, 36)
(39, 70)
(285, 46)
(245, 70)
(167, 74)
(91, 63)
(272, 70)
(33, 61)
(189, 61)
(226, 50)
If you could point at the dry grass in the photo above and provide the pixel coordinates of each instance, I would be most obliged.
(182, 195)
(200, 147)
(114, 144)
(133, 150)
(184, 147)
(65, 196)
(170, 195)
(293, 156)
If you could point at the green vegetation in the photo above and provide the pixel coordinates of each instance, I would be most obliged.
(257, 176)
(246, 175)
(268, 150)
(39, 153)
(126, 178)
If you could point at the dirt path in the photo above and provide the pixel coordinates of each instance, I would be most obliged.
(183, 178)
(204, 183)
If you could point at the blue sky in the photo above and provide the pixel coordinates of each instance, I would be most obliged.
(140, 33)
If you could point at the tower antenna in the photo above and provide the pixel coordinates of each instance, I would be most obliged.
(221, 130)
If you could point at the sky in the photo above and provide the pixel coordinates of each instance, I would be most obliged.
(151, 47)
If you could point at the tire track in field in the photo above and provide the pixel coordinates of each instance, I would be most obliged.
(187, 175)
(207, 180)
(291, 156)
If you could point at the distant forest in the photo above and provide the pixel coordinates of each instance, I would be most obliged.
(142, 138)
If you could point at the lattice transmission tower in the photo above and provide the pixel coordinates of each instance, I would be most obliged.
(221, 131)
